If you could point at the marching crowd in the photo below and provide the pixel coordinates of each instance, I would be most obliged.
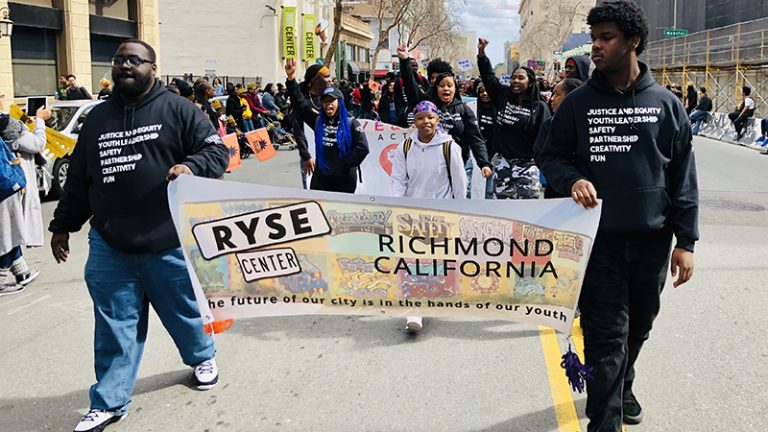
(609, 134)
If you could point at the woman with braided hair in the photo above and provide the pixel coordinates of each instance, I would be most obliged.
(520, 112)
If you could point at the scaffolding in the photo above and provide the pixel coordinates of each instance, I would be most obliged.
(723, 60)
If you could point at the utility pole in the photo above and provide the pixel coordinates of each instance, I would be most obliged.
(674, 15)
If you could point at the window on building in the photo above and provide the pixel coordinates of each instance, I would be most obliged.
(43, 3)
(33, 53)
(120, 9)
(102, 50)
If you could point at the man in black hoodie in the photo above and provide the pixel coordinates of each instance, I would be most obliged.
(129, 148)
(624, 139)
(577, 67)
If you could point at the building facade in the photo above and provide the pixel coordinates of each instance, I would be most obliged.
(60, 37)
(545, 27)
(698, 15)
(235, 38)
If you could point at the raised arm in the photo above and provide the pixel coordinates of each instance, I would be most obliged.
(299, 103)
(410, 85)
(491, 83)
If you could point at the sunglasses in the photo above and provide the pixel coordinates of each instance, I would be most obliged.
(132, 60)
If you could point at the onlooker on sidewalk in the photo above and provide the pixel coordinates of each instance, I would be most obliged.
(691, 99)
(135, 259)
(106, 89)
(744, 111)
(21, 216)
(701, 113)
(75, 91)
(762, 140)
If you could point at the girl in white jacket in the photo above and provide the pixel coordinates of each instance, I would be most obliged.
(428, 164)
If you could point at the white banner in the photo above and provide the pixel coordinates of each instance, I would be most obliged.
(267, 251)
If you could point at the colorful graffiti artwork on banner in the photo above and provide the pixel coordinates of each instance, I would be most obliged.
(272, 251)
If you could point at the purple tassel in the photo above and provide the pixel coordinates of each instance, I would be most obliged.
(578, 374)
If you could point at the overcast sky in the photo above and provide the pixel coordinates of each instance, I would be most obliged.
(495, 20)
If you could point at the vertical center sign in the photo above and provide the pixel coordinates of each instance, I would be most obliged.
(309, 38)
(289, 32)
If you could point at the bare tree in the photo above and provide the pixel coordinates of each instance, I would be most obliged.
(424, 20)
(337, 13)
(389, 15)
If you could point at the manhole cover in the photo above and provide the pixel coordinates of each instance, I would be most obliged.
(731, 205)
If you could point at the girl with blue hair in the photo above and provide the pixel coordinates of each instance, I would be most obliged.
(340, 143)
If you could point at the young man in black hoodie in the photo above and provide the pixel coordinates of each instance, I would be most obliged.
(128, 150)
(624, 139)
(577, 67)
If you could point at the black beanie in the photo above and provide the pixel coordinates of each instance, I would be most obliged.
(184, 88)
(311, 72)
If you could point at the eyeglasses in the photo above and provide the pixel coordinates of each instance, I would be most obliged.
(132, 60)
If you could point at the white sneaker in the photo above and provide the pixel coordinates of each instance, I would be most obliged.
(10, 288)
(97, 420)
(413, 324)
(206, 375)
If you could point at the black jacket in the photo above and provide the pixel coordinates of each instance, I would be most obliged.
(517, 124)
(234, 107)
(635, 147)
(486, 121)
(582, 65)
(456, 118)
(337, 166)
(705, 104)
(117, 172)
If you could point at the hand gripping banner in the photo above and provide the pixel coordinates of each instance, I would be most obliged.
(266, 251)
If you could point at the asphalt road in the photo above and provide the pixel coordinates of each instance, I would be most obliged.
(704, 368)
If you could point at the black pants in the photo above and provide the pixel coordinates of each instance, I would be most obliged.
(739, 120)
(618, 303)
(332, 183)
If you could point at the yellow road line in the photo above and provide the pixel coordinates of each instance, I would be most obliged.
(562, 398)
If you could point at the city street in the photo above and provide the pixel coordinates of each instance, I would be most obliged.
(704, 368)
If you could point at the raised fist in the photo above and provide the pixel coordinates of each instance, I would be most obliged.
(481, 44)
(402, 52)
(290, 68)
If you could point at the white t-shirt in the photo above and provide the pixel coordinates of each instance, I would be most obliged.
(749, 103)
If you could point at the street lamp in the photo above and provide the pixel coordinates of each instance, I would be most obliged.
(6, 25)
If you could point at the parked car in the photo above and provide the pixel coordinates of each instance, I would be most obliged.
(67, 117)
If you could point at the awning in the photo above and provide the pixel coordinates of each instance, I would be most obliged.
(354, 69)
(380, 73)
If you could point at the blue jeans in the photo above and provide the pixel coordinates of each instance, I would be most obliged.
(469, 168)
(6, 261)
(122, 287)
(697, 118)
(248, 124)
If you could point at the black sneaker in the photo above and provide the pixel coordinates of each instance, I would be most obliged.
(633, 412)
(27, 277)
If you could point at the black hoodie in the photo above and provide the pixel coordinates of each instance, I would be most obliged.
(118, 169)
(337, 166)
(456, 118)
(635, 147)
(582, 66)
(517, 124)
